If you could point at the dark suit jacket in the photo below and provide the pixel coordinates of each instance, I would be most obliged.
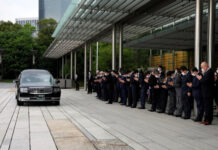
(186, 79)
(207, 84)
(196, 87)
(153, 81)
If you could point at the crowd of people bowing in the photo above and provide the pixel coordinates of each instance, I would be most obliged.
(175, 92)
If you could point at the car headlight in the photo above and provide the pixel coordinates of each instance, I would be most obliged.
(57, 90)
(24, 90)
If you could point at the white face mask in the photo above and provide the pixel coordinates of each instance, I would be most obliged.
(157, 76)
(183, 73)
(216, 71)
(193, 74)
(203, 70)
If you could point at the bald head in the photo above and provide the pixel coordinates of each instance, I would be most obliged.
(204, 66)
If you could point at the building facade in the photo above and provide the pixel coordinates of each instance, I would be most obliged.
(54, 9)
(32, 21)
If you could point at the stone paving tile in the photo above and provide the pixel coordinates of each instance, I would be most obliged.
(68, 137)
(111, 145)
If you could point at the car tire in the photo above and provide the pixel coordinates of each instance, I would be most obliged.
(57, 103)
(19, 103)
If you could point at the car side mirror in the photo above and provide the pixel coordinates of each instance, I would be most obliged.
(15, 81)
(57, 81)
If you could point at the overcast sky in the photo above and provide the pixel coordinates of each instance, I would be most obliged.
(11, 9)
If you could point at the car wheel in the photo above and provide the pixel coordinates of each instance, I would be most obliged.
(19, 103)
(57, 103)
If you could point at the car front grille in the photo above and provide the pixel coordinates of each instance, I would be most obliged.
(40, 90)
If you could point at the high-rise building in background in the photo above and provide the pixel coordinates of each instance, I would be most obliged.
(53, 8)
(32, 21)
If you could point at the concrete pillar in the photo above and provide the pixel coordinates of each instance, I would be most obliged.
(34, 59)
(90, 58)
(114, 47)
(211, 32)
(150, 58)
(85, 65)
(120, 46)
(198, 33)
(96, 56)
(62, 67)
(75, 64)
(71, 65)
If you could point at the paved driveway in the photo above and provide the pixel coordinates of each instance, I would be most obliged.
(82, 122)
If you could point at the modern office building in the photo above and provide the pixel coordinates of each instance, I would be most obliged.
(23, 21)
(53, 8)
(32, 21)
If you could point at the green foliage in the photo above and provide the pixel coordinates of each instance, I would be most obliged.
(47, 27)
(17, 42)
(44, 39)
(67, 69)
(132, 59)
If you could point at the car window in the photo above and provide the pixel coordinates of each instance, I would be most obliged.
(37, 78)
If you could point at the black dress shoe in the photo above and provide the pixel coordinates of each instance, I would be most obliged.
(196, 120)
(109, 103)
(160, 111)
(171, 114)
(151, 110)
(133, 106)
(178, 115)
(185, 118)
(141, 107)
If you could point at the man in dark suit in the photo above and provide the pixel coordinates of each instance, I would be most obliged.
(155, 89)
(108, 87)
(177, 84)
(142, 90)
(76, 79)
(207, 88)
(135, 88)
(171, 93)
(122, 80)
(186, 92)
(196, 92)
(161, 71)
(90, 82)
(115, 83)
(129, 83)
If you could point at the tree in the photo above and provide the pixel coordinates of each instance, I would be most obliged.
(17, 41)
(44, 39)
(46, 29)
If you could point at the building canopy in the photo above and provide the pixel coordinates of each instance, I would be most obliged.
(87, 21)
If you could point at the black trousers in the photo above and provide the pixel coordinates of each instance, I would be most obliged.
(115, 93)
(134, 96)
(208, 109)
(89, 87)
(162, 101)
(77, 86)
(187, 105)
(155, 96)
(129, 89)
